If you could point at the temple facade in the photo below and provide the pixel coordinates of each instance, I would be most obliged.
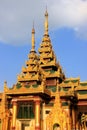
(43, 98)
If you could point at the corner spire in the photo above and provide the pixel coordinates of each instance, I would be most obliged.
(33, 38)
(46, 22)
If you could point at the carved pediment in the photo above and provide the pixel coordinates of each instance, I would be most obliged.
(57, 116)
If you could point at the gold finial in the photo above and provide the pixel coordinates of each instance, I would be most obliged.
(5, 85)
(46, 22)
(33, 38)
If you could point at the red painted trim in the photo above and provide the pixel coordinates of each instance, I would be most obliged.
(37, 102)
(14, 101)
(13, 128)
(82, 103)
(37, 127)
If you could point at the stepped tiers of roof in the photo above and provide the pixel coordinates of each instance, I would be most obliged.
(43, 98)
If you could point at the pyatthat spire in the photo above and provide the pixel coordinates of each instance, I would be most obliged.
(33, 38)
(46, 22)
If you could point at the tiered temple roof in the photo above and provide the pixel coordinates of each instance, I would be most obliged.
(42, 71)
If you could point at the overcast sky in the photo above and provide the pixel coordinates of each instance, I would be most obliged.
(67, 28)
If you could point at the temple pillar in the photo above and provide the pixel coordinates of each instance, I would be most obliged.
(73, 119)
(44, 118)
(37, 114)
(14, 102)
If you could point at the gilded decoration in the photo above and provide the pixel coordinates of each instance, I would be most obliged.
(57, 116)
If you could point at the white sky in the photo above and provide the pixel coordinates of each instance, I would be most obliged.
(17, 16)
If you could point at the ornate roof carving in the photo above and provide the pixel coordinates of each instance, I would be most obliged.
(57, 115)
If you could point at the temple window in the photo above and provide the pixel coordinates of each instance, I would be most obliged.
(25, 110)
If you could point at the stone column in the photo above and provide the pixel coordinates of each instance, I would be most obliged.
(37, 114)
(14, 102)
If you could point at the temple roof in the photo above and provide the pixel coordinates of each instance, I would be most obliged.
(31, 71)
(42, 67)
(46, 53)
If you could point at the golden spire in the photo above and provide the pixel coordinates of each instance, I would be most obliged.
(33, 38)
(46, 22)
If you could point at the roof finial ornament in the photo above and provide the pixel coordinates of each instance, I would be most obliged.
(33, 38)
(46, 22)
(5, 85)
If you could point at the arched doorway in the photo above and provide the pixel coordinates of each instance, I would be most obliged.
(56, 126)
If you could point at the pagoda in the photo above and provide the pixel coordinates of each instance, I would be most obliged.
(43, 98)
